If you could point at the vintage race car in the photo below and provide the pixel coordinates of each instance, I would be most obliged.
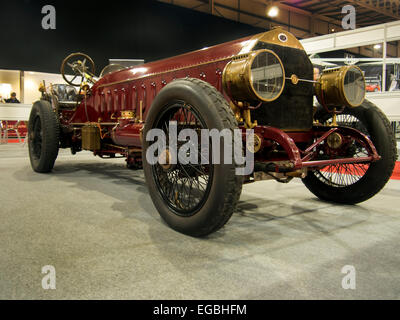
(374, 87)
(343, 149)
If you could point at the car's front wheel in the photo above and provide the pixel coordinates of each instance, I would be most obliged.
(193, 198)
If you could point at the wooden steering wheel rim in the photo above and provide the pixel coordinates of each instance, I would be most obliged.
(64, 62)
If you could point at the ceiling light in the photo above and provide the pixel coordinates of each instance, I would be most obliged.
(377, 46)
(273, 11)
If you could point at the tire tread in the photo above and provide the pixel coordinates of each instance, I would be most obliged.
(50, 138)
(235, 182)
(378, 174)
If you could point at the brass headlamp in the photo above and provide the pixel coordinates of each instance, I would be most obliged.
(256, 76)
(342, 86)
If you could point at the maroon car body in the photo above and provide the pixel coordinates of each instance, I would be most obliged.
(134, 89)
(127, 89)
(342, 149)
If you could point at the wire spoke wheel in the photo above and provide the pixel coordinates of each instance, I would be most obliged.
(345, 174)
(193, 195)
(183, 186)
(351, 183)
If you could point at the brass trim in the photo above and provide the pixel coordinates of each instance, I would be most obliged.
(165, 159)
(362, 75)
(283, 75)
(294, 78)
(272, 37)
(330, 87)
(141, 111)
(334, 140)
(301, 173)
(141, 133)
(334, 118)
(253, 143)
(91, 137)
(236, 111)
(247, 120)
(127, 114)
(237, 79)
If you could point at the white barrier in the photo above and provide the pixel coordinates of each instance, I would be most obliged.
(15, 111)
(353, 38)
(12, 112)
(388, 102)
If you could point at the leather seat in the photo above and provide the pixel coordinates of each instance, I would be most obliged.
(64, 92)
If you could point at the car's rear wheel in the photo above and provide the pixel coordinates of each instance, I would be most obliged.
(194, 199)
(43, 137)
(353, 183)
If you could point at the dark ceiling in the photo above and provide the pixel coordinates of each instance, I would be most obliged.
(369, 12)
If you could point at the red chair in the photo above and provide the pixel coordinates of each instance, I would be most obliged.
(5, 128)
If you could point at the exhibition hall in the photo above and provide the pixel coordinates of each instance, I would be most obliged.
(200, 150)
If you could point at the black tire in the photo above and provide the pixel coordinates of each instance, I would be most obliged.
(43, 133)
(372, 122)
(209, 110)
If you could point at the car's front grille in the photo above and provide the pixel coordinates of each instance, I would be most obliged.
(293, 109)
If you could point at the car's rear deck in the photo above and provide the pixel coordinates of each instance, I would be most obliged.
(94, 221)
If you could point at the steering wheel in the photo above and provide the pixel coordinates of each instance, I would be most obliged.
(78, 66)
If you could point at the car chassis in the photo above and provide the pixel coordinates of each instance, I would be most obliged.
(342, 149)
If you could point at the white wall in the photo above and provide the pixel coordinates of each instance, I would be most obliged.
(10, 77)
(32, 81)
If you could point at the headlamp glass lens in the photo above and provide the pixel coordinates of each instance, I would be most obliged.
(354, 86)
(267, 76)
